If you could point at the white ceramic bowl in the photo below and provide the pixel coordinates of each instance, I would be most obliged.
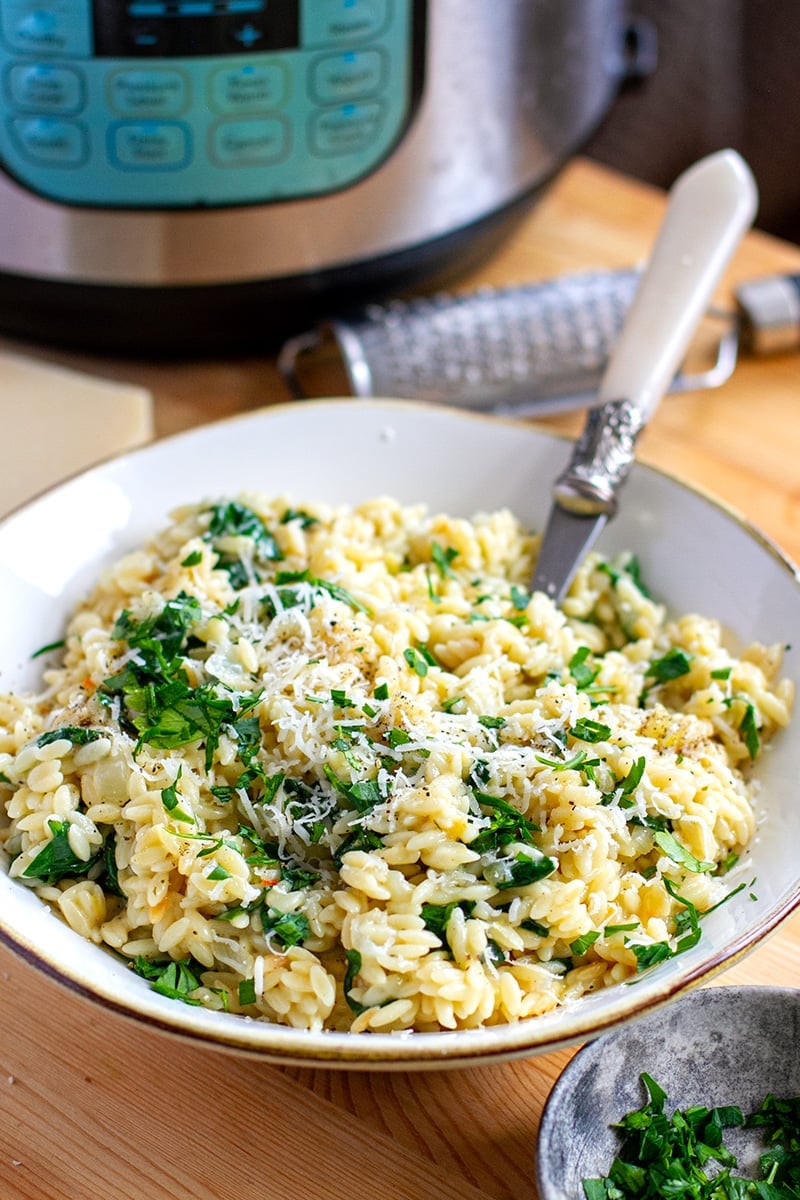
(695, 555)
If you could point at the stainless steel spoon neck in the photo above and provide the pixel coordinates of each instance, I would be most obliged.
(601, 460)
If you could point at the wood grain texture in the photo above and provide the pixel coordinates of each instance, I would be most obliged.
(91, 1105)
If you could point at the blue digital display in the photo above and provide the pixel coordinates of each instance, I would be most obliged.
(193, 8)
(179, 28)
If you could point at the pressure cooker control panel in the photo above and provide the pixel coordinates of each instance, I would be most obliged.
(188, 103)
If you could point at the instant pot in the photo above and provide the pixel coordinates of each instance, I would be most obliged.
(183, 175)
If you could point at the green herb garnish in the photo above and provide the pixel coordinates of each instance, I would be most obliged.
(443, 557)
(632, 571)
(668, 1155)
(247, 991)
(672, 665)
(583, 943)
(299, 514)
(56, 860)
(437, 917)
(59, 645)
(71, 733)
(176, 980)
(527, 866)
(673, 849)
(353, 968)
(416, 661)
(519, 598)
(507, 824)
(581, 672)
(292, 928)
(590, 731)
(565, 764)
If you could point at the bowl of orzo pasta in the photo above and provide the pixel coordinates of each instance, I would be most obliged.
(293, 762)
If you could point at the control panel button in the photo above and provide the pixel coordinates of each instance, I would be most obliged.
(347, 129)
(336, 22)
(252, 87)
(50, 141)
(149, 145)
(251, 143)
(45, 88)
(153, 92)
(62, 27)
(351, 75)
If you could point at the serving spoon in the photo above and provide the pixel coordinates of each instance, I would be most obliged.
(710, 208)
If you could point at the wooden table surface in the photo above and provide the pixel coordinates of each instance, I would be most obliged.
(91, 1105)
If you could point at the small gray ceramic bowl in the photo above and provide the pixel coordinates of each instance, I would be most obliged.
(715, 1046)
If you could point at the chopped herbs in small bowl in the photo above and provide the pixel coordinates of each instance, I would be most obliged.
(699, 1102)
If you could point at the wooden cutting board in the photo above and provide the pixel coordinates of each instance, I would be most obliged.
(91, 1105)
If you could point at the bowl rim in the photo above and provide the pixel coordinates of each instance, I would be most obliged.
(407, 1049)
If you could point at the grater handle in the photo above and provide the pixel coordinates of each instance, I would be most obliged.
(769, 314)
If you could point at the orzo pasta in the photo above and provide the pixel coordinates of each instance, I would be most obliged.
(337, 768)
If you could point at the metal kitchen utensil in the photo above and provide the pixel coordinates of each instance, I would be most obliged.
(532, 349)
(710, 208)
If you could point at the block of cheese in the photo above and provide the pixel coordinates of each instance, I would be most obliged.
(56, 421)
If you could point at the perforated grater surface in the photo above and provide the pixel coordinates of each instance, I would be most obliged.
(532, 349)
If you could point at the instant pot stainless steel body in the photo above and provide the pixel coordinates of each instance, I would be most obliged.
(213, 175)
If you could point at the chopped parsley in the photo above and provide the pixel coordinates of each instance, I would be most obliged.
(492, 722)
(668, 1155)
(292, 928)
(232, 519)
(437, 917)
(171, 801)
(584, 943)
(353, 968)
(218, 873)
(362, 795)
(397, 737)
(686, 930)
(443, 557)
(59, 645)
(748, 726)
(590, 731)
(299, 514)
(564, 764)
(417, 661)
(582, 673)
(70, 733)
(519, 598)
(506, 824)
(526, 866)
(285, 578)
(536, 927)
(247, 992)
(158, 703)
(57, 860)
(176, 980)
(672, 665)
(673, 849)
(632, 571)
